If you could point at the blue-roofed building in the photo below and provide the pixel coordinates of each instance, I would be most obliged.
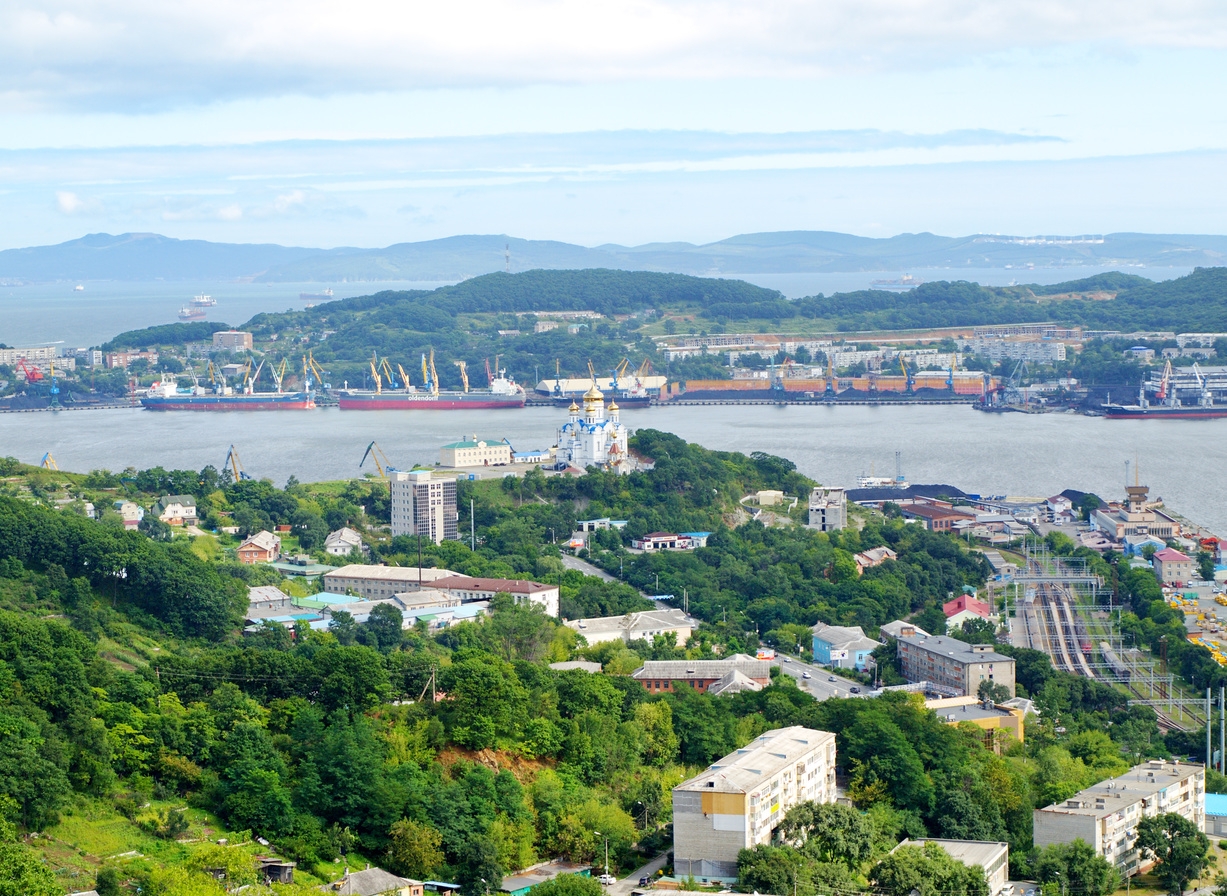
(697, 539)
(1216, 814)
(845, 647)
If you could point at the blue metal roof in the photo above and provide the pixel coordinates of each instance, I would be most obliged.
(1216, 803)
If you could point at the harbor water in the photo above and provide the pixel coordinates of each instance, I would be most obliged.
(1001, 454)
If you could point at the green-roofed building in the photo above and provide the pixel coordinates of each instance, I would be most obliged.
(475, 452)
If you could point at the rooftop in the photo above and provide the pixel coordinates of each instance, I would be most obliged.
(476, 443)
(632, 622)
(1109, 797)
(969, 852)
(390, 573)
(960, 650)
(743, 770)
(511, 586)
(371, 882)
(1170, 555)
(844, 637)
(702, 670)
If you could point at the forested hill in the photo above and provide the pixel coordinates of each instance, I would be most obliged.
(1196, 302)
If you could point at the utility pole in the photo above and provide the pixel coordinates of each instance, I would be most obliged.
(1222, 729)
(1209, 764)
(472, 528)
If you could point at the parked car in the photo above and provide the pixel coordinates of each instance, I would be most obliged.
(854, 690)
(607, 880)
(645, 881)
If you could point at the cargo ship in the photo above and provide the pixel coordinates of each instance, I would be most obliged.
(1164, 412)
(309, 296)
(1200, 388)
(504, 392)
(191, 313)
(169, 396)
(203, 301)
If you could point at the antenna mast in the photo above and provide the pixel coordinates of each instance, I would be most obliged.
(507, 255)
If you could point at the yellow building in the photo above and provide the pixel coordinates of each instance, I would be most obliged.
(956, 710)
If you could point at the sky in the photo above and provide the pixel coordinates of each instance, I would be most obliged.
(373, 122)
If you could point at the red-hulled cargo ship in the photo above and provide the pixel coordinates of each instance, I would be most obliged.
(503, 393)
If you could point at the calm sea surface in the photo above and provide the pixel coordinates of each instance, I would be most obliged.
(1182, 460)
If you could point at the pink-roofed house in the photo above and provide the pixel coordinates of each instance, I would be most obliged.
(964, 607)
(1172, 567)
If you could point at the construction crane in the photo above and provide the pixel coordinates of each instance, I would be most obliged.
(32, 374)
(235, 465)
(48, 462)
(464, 373)
(374, 452)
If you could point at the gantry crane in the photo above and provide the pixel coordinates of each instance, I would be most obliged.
(32, 374)
(378, 380)
(236, 465)
(404, 378)
(309, 368)
(48, 462)
(429, 374)
(1205, 399)
(620, 371)
(55, 390)
(464, 373)
(374, 452)
(386, 369)
(278, 373)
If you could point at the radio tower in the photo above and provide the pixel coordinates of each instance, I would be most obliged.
(507, 254)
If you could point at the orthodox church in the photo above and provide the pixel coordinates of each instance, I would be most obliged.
(596, 439)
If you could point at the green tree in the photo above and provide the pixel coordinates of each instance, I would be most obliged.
(569, 885)
(927, 869)
(22, 873)
(1205, 565)
(1177, 845)
(829, 832)
(414, 850)
(1078, 867)
(992, 691)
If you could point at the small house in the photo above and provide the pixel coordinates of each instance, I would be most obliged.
(342, 542)
(263, 547)
(176, 510)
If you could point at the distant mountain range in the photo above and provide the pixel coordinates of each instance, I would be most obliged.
(149, 256)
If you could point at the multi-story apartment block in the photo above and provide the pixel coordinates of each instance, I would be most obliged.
(952, 665)
(423, 504)
(1106, 815)
(828, 509)
(740, 800)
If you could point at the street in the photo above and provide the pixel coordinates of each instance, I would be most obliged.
(818, 685)
(631, 882)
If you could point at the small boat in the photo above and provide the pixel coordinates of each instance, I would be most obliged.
(78, 288)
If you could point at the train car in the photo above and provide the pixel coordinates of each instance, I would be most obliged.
(1114, 662)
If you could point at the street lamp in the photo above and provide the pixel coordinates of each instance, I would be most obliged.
(599, 834)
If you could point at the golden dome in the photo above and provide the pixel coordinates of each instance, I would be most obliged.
(593, 394)
(574, 407)
(613, 405)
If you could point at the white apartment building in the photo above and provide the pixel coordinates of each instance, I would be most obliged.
(421, 503)
(740, 800)
(1106, 815)
(380, 582)
(644, 626)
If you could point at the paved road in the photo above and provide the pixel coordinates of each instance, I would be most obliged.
(631, 881)
(818, 685)
(570, 561)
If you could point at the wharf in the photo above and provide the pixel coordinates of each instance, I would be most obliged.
(821, 403)
(93, 406)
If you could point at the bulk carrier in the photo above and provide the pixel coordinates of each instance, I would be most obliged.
(1168, 405)
(168, 395)
(402, 396)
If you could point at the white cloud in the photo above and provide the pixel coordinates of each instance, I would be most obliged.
(131, 53)
(69, 203)
(230, 212)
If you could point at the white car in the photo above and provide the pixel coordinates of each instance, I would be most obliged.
(787, 660)
(607, 880)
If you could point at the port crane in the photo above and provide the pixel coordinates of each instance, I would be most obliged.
(950, 371)
(619, 372)
(429, 376)
(464, 373)
(830, 390)
(404, 377)
(1205, 399)
(235, 465)
(592, 373)
(386, 369)
(48, 462)
(32, 374)
(374, 452)
(55, 390)
(309, 368)
(911, 377)
(278, 373)
(375, 377)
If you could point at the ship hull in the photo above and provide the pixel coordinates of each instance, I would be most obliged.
(425, 401)
(290, 401)
(1135, 412)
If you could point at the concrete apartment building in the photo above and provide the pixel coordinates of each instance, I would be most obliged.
(233, 340)
(828, 509)
(953, 665)
(423, 504)
(845, 647)
(376, 582)
(739, 801)
(1106, 815)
